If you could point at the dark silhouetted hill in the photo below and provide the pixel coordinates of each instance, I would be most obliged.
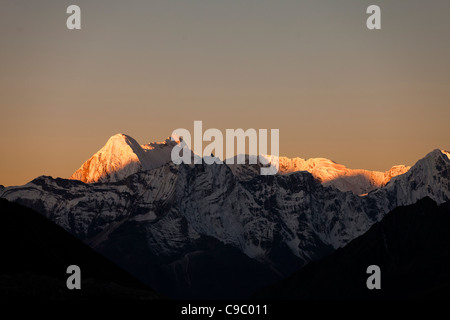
(35, 254)
(411, 245)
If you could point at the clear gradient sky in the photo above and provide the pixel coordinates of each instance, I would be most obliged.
(366, 99)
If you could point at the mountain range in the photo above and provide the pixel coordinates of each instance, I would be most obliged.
(222, 231)
(122, 156)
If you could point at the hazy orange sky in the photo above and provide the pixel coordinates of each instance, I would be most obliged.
(366, 99)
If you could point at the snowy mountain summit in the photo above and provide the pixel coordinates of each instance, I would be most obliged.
(123, 156)
(330, 173)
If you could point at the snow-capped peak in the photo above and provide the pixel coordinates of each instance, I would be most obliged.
(330, 173)
(446, 153)
(434, 156)
(122, 156)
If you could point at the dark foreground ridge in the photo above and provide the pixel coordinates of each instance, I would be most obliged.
(36, 253)
(411, 245)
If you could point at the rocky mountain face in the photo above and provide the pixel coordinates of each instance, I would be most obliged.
(209, 231)
(410, 245)
(429, 177)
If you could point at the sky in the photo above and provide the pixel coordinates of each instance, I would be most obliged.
(364, 98)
